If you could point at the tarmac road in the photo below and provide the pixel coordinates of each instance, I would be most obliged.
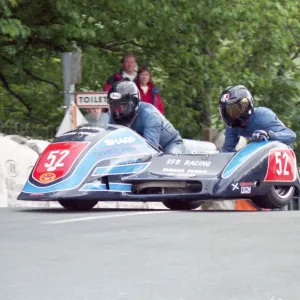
(49, 254)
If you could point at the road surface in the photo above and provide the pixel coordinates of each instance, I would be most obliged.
(50, 254)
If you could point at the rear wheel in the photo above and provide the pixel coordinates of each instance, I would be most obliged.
(277, 197)
(181, 204)
(78, 205)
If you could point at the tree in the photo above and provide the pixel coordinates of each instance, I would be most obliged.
(195, 48)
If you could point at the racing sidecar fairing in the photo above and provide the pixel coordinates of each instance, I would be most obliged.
(113, 163)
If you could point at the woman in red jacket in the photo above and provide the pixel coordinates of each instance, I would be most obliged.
(149, 91)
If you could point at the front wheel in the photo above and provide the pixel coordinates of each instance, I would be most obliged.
(181, 204)
(277, 197)
(78, 205)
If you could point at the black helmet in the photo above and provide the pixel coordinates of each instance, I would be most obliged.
(236, 105)
(123, 100)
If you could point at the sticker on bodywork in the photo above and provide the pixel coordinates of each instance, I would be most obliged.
(189, 165)
(57, 160)
(281, 165)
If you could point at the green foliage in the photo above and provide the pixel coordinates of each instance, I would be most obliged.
(195, 48)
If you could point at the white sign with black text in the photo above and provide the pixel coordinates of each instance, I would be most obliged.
(91, 99)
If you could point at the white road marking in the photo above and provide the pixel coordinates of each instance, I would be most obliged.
(103, 217)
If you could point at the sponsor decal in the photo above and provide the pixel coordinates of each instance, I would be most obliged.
(115, 96)
(189, 165)
(181, 172)
(94, 128)
(47, 177)
(85, 130)
(173, 170)
(80, 133)
(235, 186)
(173, 161)
(191, 171)
(182, 175)
(225, 97)
(246, 183)
(197, 163)
(245, 189)
(129, 161)
(119, 141)
(114, 151)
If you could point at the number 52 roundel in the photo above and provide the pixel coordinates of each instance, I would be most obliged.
(57, 160)
(281, 165)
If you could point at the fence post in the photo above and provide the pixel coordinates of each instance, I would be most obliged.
(209, 134)
(67, 78)
(71, 76)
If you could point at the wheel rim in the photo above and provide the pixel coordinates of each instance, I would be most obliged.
(283, 191)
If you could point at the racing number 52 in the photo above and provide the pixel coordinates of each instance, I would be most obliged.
(279, 160)
(56, 158)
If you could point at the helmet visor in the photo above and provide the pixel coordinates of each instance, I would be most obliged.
(235, 110)
(234, 114)
(119, 108)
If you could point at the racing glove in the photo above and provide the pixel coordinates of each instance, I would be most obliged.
(259, 135)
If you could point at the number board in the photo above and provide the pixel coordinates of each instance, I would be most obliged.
(281, 165)
(57, 160)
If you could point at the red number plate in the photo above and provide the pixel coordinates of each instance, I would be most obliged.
(282, 165)
(57, 160)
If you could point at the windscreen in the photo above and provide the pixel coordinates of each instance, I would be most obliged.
(87, 132)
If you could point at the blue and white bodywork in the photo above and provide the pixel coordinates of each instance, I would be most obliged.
(106, 162)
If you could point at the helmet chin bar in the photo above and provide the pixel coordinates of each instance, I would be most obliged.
(239, 122)
(124, 120)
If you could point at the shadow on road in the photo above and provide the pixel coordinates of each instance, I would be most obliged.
(94, 210)
(105, 210)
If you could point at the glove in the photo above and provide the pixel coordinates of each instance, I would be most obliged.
(259, 135)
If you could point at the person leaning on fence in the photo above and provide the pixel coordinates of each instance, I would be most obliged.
(128, 70)
(149, 91)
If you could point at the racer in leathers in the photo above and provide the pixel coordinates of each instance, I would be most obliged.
(236, 106)
(126, 108)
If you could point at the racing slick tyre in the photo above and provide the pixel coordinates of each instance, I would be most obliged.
(277, 197)
(181, 204)
(78, 205)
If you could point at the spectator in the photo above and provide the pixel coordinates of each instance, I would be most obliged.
(95, 115)
(127, 71)
(149, 92)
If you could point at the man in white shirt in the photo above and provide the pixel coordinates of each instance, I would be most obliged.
(128, 70)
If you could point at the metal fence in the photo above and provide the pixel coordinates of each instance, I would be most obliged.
(29, 130)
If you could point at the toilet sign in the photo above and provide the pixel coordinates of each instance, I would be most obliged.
(91, 99)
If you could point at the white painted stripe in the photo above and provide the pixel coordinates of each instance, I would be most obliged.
(104, 217)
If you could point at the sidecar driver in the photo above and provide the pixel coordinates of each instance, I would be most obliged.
(126, 108)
